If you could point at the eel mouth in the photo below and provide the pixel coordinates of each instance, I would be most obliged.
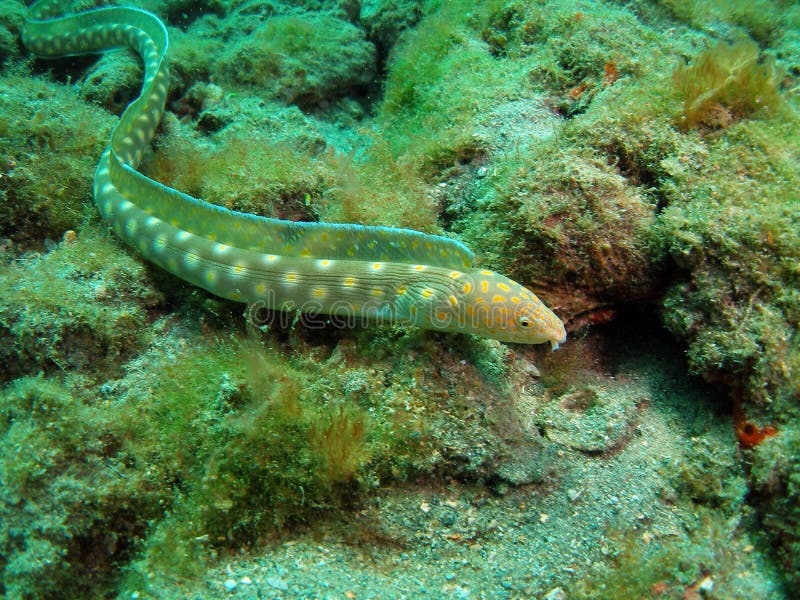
(555, 342)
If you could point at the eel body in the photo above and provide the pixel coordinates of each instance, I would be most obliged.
(373, 273)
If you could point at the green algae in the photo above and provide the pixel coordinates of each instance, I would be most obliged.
(611, 205)
(262, 442)
(672, 569)
(775, 482)
(45, 130)
(218, 445)
(302, 60)
(10, 25)
(81, 306)
(727, 82)
(712, 219)
(762, 19)
(69, 513)
(738, 309)
(438, 79)
(240, 172)
(300, 179)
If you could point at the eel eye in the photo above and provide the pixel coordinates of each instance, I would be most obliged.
(524, 322)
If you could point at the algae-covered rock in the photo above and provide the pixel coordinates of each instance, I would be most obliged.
(568, 223)
(736, 236)
(10, 25)
(305, 60)
(544, 135)
(50, 144)
(113, 82)
(385, 20)
(68, 513)
(775, 481)
(82, 306)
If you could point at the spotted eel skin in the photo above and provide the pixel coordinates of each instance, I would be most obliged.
(371, 273)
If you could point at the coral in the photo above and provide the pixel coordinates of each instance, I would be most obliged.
(725, 83)
(751, 435)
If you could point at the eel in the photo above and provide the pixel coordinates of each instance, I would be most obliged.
(343, 271)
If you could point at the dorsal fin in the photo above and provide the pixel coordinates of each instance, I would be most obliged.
(290, 238)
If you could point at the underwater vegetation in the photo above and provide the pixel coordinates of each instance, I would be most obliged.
(764, 20)
(208, 444)
(301, 60)
(147, 434)
(725, 83)
(44, 130)
(82, 306)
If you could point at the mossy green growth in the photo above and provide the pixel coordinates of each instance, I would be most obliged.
(294, 178)
(581, 221)
(68, 512)
(378, 189)
(725, 83)
(674, 566)
(82, 305)
(267, 177)
(10, 25)
(255, 442)
(50, 141)
(569, 202)
(299, 59)
(440, 78)
(776, 482)
(736, 235)
(563, 44)
(763, 19)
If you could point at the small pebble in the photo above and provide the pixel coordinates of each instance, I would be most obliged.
(530, 369)
(706, 586)
(555, 594)
(277, 583)
(230, 585)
